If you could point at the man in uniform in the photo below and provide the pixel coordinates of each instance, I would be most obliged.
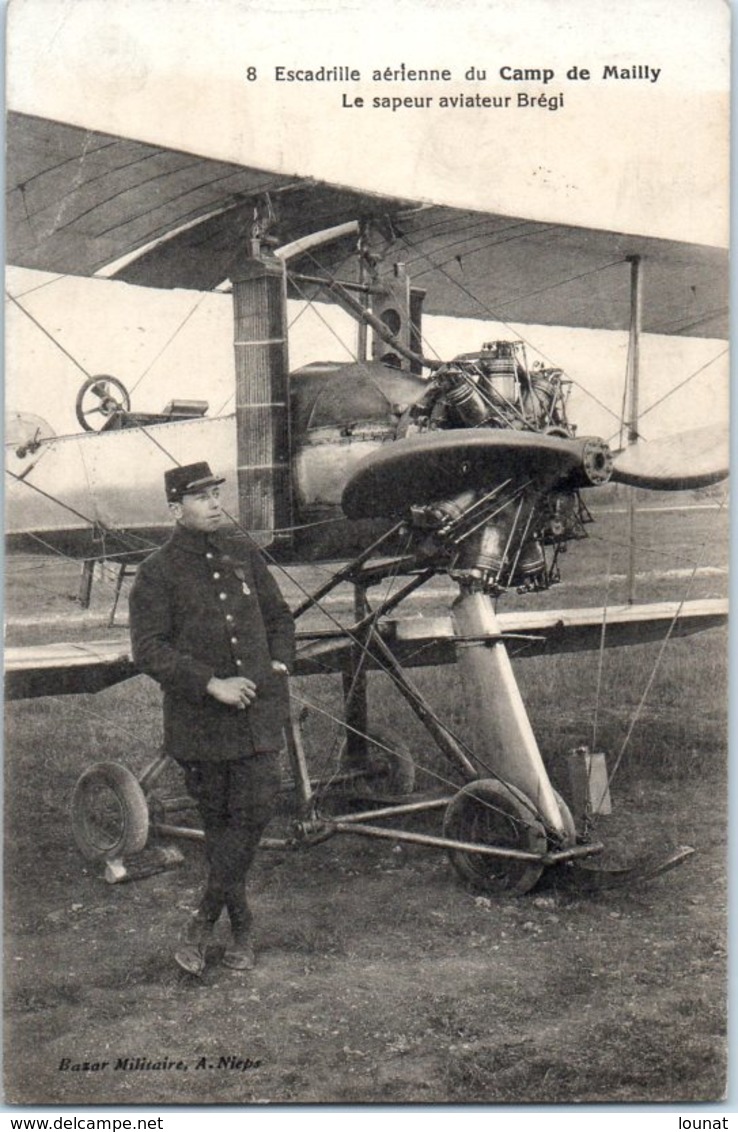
(215, 632)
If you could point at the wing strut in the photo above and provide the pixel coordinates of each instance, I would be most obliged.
(634, 352)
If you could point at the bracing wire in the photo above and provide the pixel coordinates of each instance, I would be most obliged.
(361, 669)
(674, 389)
(517, 332)
(656, 665)
(49, 335)
(123, 536)
(645, 548)
(660, 401)
(329, 279)
(311, 302)
(40, 286)
(168, 343)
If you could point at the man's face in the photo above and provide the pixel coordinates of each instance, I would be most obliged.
(199, 510)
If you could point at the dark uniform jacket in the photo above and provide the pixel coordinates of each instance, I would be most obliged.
(197, 612)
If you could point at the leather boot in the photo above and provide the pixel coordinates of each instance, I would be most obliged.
(240, 955)
(192, 947)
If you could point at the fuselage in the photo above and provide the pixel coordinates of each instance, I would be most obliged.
(101, 493)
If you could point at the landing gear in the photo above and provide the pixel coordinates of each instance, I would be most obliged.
(488, 813)
(110, 814)
(507, 824)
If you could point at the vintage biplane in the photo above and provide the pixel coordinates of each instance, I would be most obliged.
(400, 465)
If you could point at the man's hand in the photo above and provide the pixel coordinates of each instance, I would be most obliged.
(236, 691)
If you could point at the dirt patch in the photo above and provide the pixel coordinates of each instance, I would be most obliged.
(380, 978)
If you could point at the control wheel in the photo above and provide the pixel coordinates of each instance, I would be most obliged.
(98, 399)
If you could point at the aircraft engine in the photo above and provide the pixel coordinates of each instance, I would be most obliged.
(494, 545)
(500, 543)
(495, 388)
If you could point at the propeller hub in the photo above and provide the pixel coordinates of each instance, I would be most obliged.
(596, 461)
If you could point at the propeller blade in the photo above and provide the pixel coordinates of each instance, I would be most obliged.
(688, 460)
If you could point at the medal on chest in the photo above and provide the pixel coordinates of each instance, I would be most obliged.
(238, 571)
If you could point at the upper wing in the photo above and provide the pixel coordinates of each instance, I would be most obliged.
(67, 669)
(79, 201)
(489, 266)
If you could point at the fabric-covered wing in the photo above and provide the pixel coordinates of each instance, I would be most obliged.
(79, 201)
(69, 669)
(65, 669)
(429, 641)
(486, 266)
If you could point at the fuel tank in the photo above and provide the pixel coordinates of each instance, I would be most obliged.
(339, 414)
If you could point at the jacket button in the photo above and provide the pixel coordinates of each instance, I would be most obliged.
(234, 640)
(223, 597)
(216, 574)
(239, 663)
(229, 616)
(208, 554)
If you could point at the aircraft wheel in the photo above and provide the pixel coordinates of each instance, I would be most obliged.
(110, 814)
(390, 768)
(486, 812)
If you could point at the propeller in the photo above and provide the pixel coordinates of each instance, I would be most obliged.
(686, 461)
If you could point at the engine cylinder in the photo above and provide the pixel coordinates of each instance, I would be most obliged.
(531, 561)
(484, 555)
(483, 552)
(500, 374)
(467, 403)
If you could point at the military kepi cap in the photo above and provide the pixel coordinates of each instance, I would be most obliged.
(190, 478)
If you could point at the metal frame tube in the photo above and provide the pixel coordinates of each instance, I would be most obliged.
(298, 761)
(154, 772)
(344, 575)
(185, 833)
(418, 807)
(354, 682)
(450, 747)
(553, 858)
(636, 308)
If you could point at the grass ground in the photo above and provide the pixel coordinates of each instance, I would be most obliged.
(381, 976)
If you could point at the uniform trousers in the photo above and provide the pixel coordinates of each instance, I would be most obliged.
(236, 800)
